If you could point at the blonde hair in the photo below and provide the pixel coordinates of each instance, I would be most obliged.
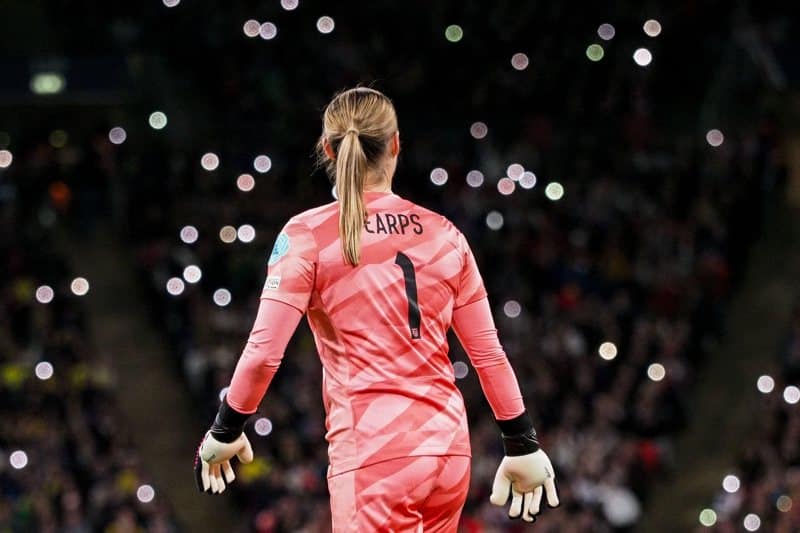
(358, 123)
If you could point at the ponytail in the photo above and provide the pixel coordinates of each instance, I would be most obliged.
(357, 126)
(351, 171)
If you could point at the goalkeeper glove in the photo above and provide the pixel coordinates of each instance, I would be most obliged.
(225, 439)
(525, 472)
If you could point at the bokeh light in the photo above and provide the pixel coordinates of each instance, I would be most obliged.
(18, 459)
(606, 32)
(171, 3)
(209, 161)
(515, 171)
(656, 372)
(145, 493)
(751, 522)
(222, 393)
(263, 426)
(731, 483)
(262, 163)
(784, 503)
(189, 234)
(527, 180)
(175, 286)
(325, 24)
(506, 186)
(79, 286)
(192, 274)
(607, 350)
(157, 120)
(478, 130)
(44, 294)
(222, 297)
(494, 220)
(47, 83)
(595, 52)
(438, 176)
(44, 370)
(554, 191)
(460, 369)
(251, 28)
(58, 138)
(512, 309)
(454, 33)
(520, 61)
(227, 234)
(117, 135)
(268, 31)
(708, 517)
(642, 57)
(246, 233)
(791, 394)
(765, 384)
(652, 28)
(6, 157)
(245, 182)
(290, 5)
(475, 178)
(715, 137)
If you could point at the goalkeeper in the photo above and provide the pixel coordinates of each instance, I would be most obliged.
(381, 281)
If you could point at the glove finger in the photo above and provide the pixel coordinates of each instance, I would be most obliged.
(228, 470)
(515, 509)
(245, 453)
(214, 478)
(204, 476)
(501, 488)
(536, 502)
(552, 493)
(527, 498)
(221, 485)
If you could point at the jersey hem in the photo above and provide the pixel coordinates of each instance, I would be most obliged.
(434, 451)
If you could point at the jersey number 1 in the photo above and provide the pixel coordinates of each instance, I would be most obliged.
(410, 278)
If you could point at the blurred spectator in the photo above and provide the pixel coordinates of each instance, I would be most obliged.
(66, 460)
(764, 490)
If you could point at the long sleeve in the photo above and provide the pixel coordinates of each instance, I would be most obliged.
(474, 326)
(284, 299)
(274, 326)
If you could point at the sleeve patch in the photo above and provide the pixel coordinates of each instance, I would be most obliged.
(280, 249)
(272, 283)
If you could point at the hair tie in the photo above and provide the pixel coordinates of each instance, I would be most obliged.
(352, 130)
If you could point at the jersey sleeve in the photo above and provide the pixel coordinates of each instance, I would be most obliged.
(474, 326)
(274, 326)
(470, 284)
(292, 266)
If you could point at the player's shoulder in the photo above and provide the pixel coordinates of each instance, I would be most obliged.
(436, 221)
(316, 216)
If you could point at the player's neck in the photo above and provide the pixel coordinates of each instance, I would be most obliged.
(373, 184)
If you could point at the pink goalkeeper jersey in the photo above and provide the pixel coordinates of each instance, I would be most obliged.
(381, 327)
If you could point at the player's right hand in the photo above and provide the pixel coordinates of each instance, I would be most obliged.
(525, 478)
(213, 460)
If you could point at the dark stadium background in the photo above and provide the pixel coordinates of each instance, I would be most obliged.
(651, 313)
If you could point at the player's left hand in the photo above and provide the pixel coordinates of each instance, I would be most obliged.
(212, 462)
(525, 478)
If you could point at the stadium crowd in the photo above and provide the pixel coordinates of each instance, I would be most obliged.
(763, 492)
(606, 299)
(640, 255)
(66, 460)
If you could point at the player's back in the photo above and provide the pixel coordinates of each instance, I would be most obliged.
(381, 331)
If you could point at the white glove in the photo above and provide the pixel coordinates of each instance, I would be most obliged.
(213, 460)
(525, 477)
